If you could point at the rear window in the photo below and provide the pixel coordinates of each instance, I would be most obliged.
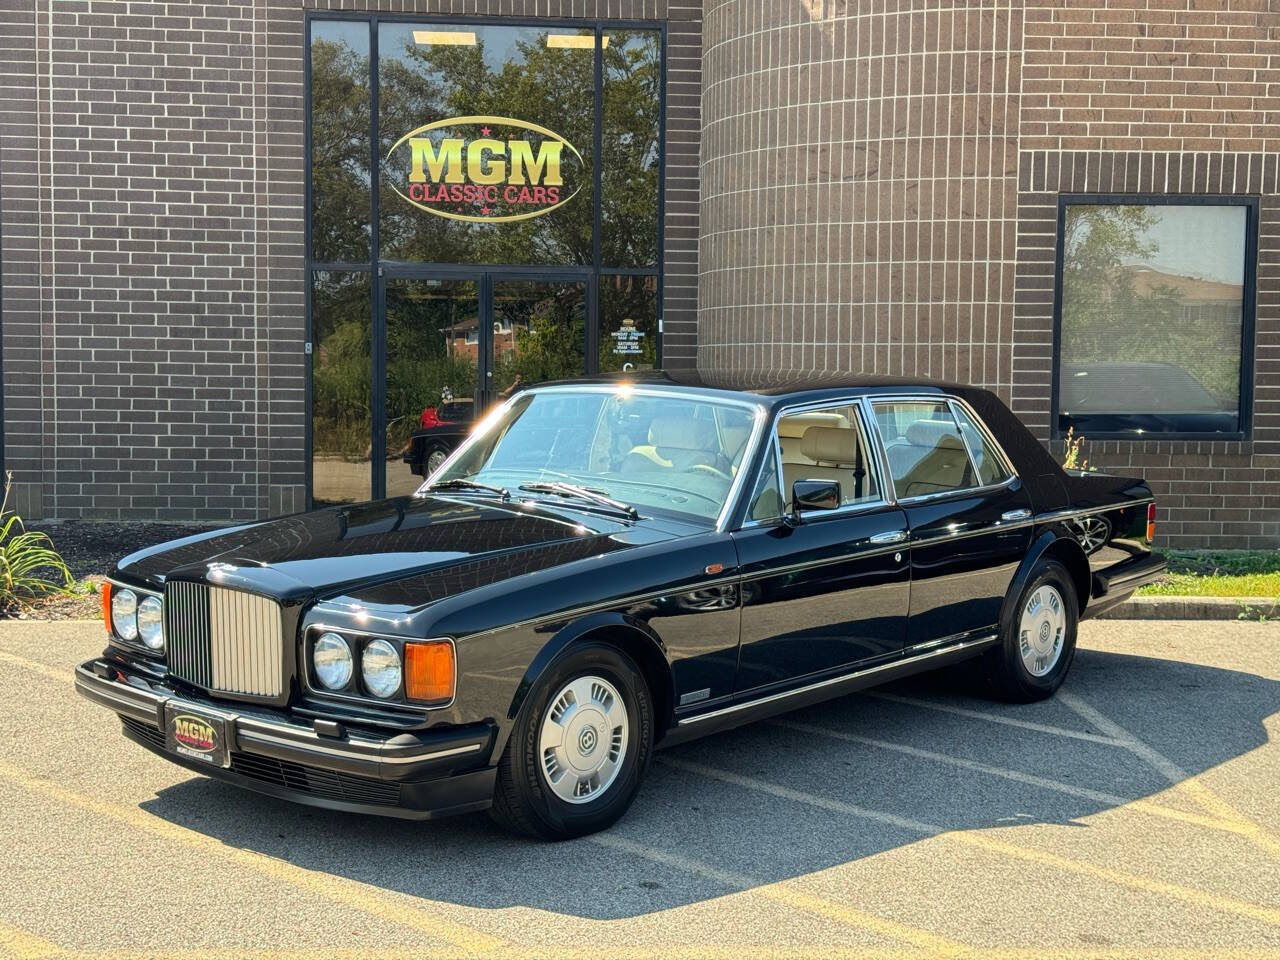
(924, 448)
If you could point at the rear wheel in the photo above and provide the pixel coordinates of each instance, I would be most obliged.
(1036, 651)
(580, 747)
(436, 455)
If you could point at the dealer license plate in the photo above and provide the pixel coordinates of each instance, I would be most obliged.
(196, 735)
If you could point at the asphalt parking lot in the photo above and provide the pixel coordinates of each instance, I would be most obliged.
(1138, 814)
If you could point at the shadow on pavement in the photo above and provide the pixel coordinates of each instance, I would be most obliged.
(1197, 716)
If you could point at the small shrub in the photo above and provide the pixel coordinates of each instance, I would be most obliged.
(30, 567)
(1071, 455)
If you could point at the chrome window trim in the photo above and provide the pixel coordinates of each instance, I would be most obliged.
(947, 399)
(869, 439)
(350, 633)
(137, 646)
(757, 407)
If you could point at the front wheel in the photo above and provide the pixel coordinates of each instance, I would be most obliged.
(580, 747)
(1037, 648)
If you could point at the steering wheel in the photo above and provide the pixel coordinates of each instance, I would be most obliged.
(714, 471)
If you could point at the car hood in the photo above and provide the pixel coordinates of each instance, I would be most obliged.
(444, 544)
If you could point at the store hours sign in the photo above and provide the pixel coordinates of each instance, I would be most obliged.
(627, 339)
(486, 169)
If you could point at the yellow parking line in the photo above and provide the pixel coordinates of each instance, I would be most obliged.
(1180, 778)
(341, 890)
(61, 674)
(790, 896)
(1069, 789)
(1202, 898)
(20, 945)
(998, 718)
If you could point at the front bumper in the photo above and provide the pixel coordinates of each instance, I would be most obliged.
(412, 775)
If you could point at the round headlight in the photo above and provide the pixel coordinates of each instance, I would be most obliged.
(151, 622)
(331, 657)
(124, 613)
(380, 665)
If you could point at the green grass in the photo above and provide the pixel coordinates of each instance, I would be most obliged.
(1205, 573)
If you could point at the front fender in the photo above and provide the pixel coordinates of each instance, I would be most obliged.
(611, 624)
(1065, 549)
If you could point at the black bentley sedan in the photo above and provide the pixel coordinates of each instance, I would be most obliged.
(609, 566)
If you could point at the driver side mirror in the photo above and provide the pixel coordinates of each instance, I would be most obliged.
(809, 495)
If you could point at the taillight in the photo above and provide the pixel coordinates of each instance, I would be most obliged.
(1151, 522)
(106, 604)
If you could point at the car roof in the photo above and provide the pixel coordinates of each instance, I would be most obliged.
(771, 389)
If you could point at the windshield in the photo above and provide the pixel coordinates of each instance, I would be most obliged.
(658, 453)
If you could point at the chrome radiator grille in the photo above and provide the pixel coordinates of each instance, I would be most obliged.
(224, 640)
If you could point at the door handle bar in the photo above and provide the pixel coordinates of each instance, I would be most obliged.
(892, 536)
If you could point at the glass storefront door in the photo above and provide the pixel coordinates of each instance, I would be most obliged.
(458, 344)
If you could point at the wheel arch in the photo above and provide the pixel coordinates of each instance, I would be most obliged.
(1052, 543)
(631, 636)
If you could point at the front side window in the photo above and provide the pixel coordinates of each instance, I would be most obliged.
(827, 445)
(660, 454)
(1155, 316)
(924, 448)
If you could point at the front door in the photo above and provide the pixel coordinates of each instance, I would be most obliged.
(451, 345)
(833, 590)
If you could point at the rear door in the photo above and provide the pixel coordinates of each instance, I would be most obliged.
(832, 591)
(969, 515)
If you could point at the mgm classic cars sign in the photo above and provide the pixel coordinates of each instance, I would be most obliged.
(486, 169)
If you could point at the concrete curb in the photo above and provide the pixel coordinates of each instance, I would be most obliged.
(1195, 608)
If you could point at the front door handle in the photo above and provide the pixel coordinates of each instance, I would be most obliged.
(891, 536)
(1022, 513)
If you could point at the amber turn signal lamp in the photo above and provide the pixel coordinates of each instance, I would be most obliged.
(1151, 522)
(429, 670)
(106, 604)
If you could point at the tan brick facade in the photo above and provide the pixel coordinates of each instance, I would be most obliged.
(880, 193)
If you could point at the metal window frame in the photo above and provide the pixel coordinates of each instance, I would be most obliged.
(379, 268)
(1248, 306)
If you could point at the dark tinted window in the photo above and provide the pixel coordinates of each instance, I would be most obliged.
(340, 117)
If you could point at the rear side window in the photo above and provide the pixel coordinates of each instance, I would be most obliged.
(990, 466)
(924, 448)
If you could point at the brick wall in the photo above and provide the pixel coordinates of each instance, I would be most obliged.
(858, 189)
(152, 202)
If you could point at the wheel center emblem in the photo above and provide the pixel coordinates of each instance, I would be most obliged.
(1044, 632)
(587, 740)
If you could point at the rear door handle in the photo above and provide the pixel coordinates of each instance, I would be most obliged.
(891, 536)
(1022, 513)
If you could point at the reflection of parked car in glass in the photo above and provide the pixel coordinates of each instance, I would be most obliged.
(443, 427)
(1106, 397)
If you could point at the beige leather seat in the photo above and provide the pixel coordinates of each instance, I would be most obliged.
(832, 453)
(931, 458)
(791, 431)
(676, 443)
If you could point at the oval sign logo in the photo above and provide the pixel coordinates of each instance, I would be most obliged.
(194, 733)
(485, 169)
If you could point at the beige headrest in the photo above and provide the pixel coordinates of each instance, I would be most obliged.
(830, 445)
(934, 433)
(796, 426)
(682, 433)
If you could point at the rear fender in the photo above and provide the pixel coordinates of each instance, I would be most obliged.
(1053, 542)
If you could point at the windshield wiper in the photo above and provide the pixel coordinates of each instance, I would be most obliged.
(458, 483)
(582, 493)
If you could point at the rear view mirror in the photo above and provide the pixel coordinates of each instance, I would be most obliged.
(809, 495)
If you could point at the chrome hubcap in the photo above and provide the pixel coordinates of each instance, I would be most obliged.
(434, 459)
(1041, 630)
(583, 739)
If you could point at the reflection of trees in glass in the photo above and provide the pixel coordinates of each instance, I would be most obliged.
(427, 327)
(340, 106)
(628, 298)
(629, 167)
(548, 325)
(341, 366)
(1116, 308)
(424, 83)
